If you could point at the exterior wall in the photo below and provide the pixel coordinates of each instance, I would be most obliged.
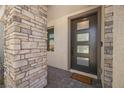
(1, 44)
(25, 46)
(58, 17)
(102, 48)
(63, 10)
(1, 54)
(61, 33)
(118, 49)
(1, 49)
(108, 46)
(60, 57)
(113, 46)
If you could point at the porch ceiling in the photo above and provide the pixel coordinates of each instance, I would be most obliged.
(56, 11)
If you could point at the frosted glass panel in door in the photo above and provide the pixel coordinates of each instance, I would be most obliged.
(51, 35)
(83, 25)
(83, 61)
(83, 37)
(82, 49)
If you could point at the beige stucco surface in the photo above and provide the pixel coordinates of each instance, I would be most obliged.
(2, 8)
(1, 35)
(102, 48)
(118, 49)
(1, 44)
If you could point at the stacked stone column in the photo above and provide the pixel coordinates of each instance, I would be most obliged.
(25, 46)
(108, 46)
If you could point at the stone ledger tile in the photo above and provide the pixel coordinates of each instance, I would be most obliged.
(25, 61)
(108, 46)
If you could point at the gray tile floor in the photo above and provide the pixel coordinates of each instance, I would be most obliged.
(58, 78)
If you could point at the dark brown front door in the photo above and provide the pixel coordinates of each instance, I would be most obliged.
(84, 44)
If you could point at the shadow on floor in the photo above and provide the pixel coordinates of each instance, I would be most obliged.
(58, 78)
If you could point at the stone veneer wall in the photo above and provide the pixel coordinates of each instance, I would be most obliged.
(108, 46)
(25, 46)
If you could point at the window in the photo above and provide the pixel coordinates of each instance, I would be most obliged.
(50, 36)
(83, 25)
(83, 37)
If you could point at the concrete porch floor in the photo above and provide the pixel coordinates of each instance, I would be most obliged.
(58, 78)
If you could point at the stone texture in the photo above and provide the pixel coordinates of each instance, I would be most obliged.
(19, 63)
(108, 46)
(25, 60)
(29, 45)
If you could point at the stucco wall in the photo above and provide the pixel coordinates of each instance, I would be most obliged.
(59, 58)
(118, 49)
(1, 36)
(1, 54)
(63, 10)
(1, 44)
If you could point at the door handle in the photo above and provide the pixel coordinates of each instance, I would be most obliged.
(101, 43)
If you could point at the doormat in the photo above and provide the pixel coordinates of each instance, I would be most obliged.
(82, 78)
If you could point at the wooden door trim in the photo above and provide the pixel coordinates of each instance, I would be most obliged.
(98, 35)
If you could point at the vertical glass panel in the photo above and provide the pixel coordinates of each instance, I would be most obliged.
(50, 38)
(83, 37)
(51, 45)
(82, 49)
(51, 35)
(83, 25)
(83, 61)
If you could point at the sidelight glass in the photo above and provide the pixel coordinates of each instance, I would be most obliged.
(83, 37)
(51, 35)
(83, 25)
(51, 44)
(82, 49)
(83, 61)
(50, 39)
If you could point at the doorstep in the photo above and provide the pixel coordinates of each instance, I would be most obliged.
(83, 73)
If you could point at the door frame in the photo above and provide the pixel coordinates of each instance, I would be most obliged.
(98, 37)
